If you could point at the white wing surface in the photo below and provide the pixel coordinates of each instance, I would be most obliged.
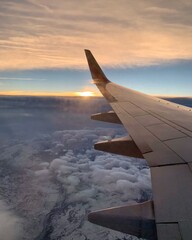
(160, 132)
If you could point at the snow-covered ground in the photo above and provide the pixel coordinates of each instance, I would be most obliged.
(51, 183)
(50, 175)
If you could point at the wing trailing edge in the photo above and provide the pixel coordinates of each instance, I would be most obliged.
(110, 117)
(122, 146)
(137, 220)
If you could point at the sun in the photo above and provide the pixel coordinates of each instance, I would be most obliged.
(86, 94)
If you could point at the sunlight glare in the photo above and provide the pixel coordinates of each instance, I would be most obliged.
(86, 94)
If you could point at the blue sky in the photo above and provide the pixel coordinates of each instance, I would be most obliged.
(144, 45)
(166, 79)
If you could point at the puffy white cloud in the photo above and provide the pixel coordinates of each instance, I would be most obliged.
(44, 173)
(83, 196)
(56, 164)
(10, 224)
(82, 178)
(60, 191)
(44, 165)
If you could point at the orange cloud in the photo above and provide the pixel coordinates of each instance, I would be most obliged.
(31, 93)
(49, 94)
(52, 34)
(70, 94)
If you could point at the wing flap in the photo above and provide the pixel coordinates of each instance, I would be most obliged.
(110, 117)
(162, 131)
(172, 193)
(165, 132)
(122, 146)
(137, 220)
(148, 120)
(182, 146)
(186, 229)
(133, 128)
(168, 232)
(155, 152)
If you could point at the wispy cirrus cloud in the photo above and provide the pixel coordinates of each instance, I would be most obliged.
(36, 93)
(47, 34)
(21, 79)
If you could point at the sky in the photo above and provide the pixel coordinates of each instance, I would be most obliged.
(144, 45)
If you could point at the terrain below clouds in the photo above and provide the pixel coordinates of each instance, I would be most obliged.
(50, 175)
(51, 183)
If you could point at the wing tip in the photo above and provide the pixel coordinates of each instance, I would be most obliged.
(88, 54)
(87, 51)
(96, 71)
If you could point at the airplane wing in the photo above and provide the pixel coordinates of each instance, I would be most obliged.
(160, 132)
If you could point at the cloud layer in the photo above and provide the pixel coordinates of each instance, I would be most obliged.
(91, 180)
(47, 34)
(56, 180)
(10, 224)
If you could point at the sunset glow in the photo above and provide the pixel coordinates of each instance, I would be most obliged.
(86, 94)
(144, 45)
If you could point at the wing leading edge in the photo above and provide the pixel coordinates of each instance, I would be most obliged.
(160, 132)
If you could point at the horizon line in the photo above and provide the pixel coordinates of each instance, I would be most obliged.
(75, 94)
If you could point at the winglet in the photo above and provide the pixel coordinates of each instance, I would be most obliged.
(96, 72)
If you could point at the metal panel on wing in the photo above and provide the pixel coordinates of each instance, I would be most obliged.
(162, 132)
